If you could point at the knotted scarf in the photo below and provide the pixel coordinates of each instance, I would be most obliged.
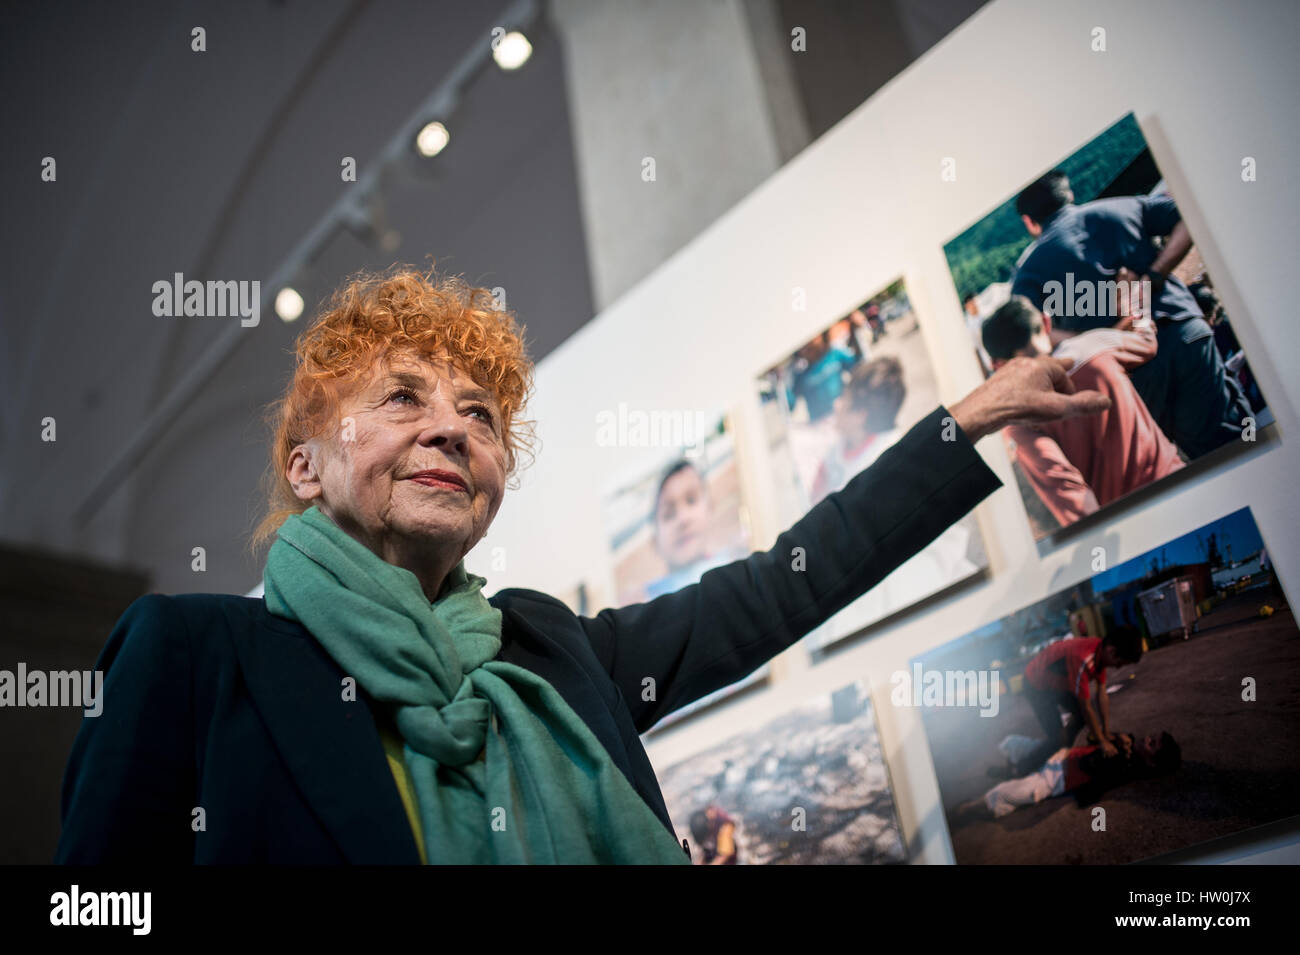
(545, 791)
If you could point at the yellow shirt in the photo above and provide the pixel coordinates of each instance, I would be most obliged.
(397, 764)
(394, 751)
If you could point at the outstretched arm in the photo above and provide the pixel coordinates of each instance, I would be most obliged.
(678, 648)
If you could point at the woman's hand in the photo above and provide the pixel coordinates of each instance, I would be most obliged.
(1026, 391)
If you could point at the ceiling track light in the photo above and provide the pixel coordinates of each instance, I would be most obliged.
(441, 103)
(510, 50)
(289, 304)
(432, 139)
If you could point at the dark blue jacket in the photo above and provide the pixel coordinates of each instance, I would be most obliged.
(212, 702)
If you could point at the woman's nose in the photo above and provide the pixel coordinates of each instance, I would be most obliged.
(447, 432)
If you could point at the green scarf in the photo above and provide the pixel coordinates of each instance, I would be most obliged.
(547, 791)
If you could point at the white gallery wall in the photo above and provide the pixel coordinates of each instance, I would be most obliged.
(1013, 91)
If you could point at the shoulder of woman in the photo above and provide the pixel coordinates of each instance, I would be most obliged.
(524, 600)
(198, 619)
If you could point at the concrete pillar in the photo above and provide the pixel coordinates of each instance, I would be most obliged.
(679, 108)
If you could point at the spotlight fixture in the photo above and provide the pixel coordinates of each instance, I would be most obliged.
(288, 303)
(432, 139)
(512, 51)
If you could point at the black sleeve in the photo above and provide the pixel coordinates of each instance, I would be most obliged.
(737, 617)
(129, 789)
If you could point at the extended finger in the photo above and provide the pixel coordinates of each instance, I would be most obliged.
(1053, 406)
(1057, 372)
(1085, 402)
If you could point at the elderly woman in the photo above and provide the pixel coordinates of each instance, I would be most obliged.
(375, 707)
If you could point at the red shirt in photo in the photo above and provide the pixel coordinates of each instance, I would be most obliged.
(1067, 666)
(1075, 773)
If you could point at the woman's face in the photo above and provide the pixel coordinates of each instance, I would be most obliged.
(414, 416)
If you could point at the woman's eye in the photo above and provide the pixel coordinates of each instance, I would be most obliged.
(402, 393)
(483, 411)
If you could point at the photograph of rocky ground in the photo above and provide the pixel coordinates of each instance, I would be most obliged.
(810, 786)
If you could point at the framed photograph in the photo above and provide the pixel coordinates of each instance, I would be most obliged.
(1147, 709)
(834, 406)
(809, 786)
(1093, 261)
(671, 524)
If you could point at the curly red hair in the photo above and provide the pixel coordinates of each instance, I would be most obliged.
(378, 315)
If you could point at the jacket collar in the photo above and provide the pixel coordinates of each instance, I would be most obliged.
(331, 746)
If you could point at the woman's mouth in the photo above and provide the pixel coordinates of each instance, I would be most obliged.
(444, 479)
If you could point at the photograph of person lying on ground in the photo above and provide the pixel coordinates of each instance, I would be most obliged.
(1084, 771)
(1192, 637)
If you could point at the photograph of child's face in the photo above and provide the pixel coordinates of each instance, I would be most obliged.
(673, 522)
(1158, 691)
(1093, 261)
(683, 516)
(830, 409)
(678, 518)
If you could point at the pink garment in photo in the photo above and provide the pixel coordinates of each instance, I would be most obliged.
(1080, 464)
